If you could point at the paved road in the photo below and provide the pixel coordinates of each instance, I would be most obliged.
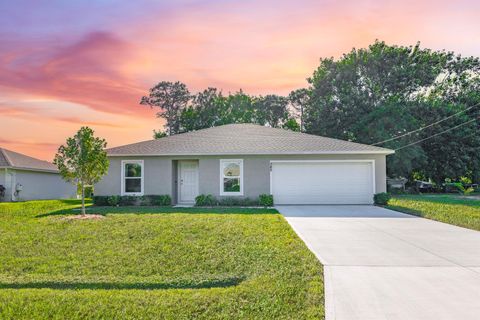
(381, 264)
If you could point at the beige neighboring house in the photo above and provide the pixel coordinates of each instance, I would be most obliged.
(246, 160)
(27, 178)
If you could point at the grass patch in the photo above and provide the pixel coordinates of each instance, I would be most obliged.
(153, 262)
(453, 209)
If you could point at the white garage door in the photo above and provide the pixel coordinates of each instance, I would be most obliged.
(322, 182)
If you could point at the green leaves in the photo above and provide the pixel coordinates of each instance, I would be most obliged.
(82, 160)
(373, 94)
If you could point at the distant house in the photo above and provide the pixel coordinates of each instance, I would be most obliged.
(246, 160)
(26, 178)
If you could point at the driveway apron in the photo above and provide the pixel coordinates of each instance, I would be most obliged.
(381, 264)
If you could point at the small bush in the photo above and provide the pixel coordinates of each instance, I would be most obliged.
(210, 201)
(458, 187)
(162, 200)
(100, 201)
(148, 200)
(381, 198)
(238, 202)
(130, 201)
(113, 201)
(205, 200)
(266, 200)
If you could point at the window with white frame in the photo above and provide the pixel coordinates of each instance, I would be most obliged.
(231, 177)
(132, 177)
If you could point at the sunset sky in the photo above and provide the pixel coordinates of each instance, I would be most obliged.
(64, 64)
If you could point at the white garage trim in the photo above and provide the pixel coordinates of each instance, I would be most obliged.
(371, 161)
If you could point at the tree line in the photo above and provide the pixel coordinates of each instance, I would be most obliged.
(184, 111)
(368, 95)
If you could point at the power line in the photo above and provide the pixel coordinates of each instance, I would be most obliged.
(437, 134)
(430, 125)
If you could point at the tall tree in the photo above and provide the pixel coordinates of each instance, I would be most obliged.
(82, 160)
(389, 88)
(299, 99)
(205, 110)
(171, 98)
(272, 110)
(238, 107)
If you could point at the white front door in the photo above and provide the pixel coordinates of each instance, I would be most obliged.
(187, 181)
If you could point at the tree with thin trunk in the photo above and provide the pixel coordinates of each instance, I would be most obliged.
(171, 98)
(82, 160)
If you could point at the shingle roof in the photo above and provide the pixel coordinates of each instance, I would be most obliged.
(15, 160)
(236, 139)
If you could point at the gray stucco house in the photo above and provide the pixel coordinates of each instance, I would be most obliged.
(246, 160)
(27, 178)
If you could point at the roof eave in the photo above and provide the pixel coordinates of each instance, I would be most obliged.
(384, 152)
(29, 169)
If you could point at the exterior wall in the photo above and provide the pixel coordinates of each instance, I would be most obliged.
(3, 183)
(157, 175)
(256, 171)
(160, 173)
(38, 186)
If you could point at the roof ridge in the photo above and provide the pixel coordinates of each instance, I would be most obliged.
(9, 161)
(244, 138)
(16, 160)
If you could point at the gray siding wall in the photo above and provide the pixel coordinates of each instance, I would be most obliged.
(2, 182)
(160, 173)
(42, 185)
(157, 175)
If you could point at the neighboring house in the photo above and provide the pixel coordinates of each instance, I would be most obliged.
(246, 160)
(27, 178)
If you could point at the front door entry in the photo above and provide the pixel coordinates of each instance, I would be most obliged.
(187, 181)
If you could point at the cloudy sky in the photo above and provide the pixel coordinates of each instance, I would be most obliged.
(64, 64)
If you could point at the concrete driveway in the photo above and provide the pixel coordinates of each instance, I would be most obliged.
(381, 264)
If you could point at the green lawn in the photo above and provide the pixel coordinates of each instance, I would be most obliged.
(453, 209)
(171, 263)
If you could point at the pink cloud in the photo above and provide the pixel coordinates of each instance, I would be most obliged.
(86, 72)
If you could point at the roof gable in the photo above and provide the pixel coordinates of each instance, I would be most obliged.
(15, 160)
(238, 139)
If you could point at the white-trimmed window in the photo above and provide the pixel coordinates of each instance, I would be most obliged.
(132, 177)
(231, 177)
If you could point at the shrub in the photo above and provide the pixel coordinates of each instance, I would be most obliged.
(381, 198)
(113, 201)
(162, 200)
(210, 201)
(459, 187)
(205, 200)
(237, 202)
(148, 200)
(266, 200)
(100, 200)
(130, 201)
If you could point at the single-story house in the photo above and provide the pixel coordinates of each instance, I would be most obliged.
(26, 178)
(246, 160)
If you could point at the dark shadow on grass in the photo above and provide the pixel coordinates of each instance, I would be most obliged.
(405, 210)
(223, 283)
(159, 210)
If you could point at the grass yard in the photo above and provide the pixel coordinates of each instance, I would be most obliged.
(453, 209)
(154, 263)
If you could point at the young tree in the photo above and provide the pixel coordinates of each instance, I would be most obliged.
(171, 98)
(82, 160)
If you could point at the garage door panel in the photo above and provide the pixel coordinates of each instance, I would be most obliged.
(322, 182)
